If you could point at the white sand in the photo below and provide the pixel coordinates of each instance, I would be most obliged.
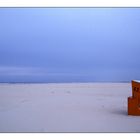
(87, 107)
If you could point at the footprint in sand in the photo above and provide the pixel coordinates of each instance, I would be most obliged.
(25, 100)
(68, 92)
(52, 92)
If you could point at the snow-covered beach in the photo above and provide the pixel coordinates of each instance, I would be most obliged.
(66, 107)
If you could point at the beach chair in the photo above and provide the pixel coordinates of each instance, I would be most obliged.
(134, 101)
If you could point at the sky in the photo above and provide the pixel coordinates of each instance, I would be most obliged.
(69, 44)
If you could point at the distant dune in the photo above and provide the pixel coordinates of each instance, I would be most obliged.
(76, 107)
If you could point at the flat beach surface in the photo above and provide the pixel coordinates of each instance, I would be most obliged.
(71, 107)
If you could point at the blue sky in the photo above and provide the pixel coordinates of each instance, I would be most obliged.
(69, 44)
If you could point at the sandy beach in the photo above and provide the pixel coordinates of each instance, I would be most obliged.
(66, 107)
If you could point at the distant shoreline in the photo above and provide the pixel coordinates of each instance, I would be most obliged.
(64, 82)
